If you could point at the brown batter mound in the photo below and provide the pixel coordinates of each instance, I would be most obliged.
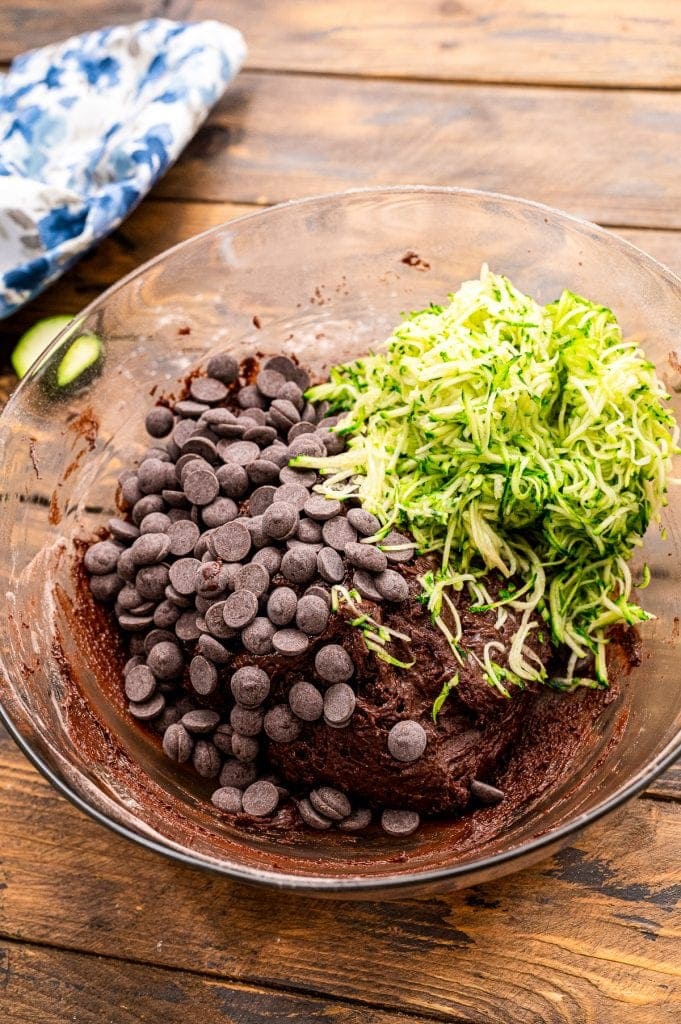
(478, 733)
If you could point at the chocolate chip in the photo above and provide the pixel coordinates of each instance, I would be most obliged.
(215, 621)
(106, 588)
(333, 443)
(281, 725)
(183, 536)
(208, 389)
(330, 565)
(219, 512)
(306, 701)
(283, 365)
(407, 741)
(201, 486)
(338, 533)
(222, 738)
(130, 492)
(309, 532)
(157, 636)
(293, 394)
(321, 508)
(155, 522)
(245, 748)
(200, 721)
(280, 520)
(300, 477)
(269, 383)
(294, 494)
(203, 675)
(364, 522)
(281, 606)
(365, 583)
(306, 444)
(102, 558)
(153, 475)
(240, 453)
(392, 585)
(261, 499)
(231, 542)
(339, 705)
(262, 471)
(140, 683)
(212, 649)
(190, 409)
(166, 660)
(283, 414)
(233, 480)
(174, 596)
(298, 429)
(258, 635)
(149, 709)
(206, 759)
(366, 556)
(240, 609)
(183, 575)
(254, 525)
(311, 817)
(159, 421)
(187, 626)
(400, 823)
(290, 642)
(250, 686)
(203, 447)
(355, 822)
(246, 721)
(252, 577)
(151, 582)
(397, 547)
(250, 398)
(312, 615)
(223, 367)
(485, 793)
(299, 565)
(227, 799)
(317, 590)
(134, 623)
(260, 799)
(270, 557)
(177, 743)
(330, 802)
(333, 664)
(123, 530)
(176, 500)
(149, 503)
(238, 773)
(262, 435)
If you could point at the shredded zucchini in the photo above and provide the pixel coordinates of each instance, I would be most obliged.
(510, 437)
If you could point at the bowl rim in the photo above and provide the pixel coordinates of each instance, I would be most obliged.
(310, 883)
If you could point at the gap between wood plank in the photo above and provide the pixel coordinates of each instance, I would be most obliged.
(241, 984)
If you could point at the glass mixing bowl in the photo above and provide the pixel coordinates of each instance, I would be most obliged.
(324, 278)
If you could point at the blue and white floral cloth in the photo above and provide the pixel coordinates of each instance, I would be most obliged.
(86, 128)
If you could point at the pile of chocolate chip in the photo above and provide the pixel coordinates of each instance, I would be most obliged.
(226, 549)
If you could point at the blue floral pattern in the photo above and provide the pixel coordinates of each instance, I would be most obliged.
(86, 128)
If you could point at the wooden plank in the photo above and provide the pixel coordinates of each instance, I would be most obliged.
(591, 936)
(53, 986)
(612, 43)
(276, 137)
(668, 786)
(158, 224)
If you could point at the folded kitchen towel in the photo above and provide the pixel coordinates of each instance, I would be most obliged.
(86, 128)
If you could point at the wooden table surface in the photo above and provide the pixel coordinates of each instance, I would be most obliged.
(574, 103)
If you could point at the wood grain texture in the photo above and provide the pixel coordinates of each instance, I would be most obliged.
(608, 43)
(276, 137)
(158, 224)
(612, 43)
(40, 985)
(587, 938)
